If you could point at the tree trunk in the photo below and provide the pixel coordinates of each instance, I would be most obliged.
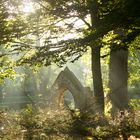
(97, 79)
(118, 76)
(95, 59)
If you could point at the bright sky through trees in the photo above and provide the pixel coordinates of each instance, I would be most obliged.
(28, 7)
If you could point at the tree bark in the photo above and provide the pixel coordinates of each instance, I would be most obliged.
(97, 79)
(95, 59)
(118, 76)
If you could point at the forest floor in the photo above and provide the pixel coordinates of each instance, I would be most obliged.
(44, 124)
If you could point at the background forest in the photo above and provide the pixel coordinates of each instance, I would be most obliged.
(69, 69)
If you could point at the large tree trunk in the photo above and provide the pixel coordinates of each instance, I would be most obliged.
(95, 54)
(118, 76)
(97, 79)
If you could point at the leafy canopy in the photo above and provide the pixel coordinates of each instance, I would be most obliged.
(44, 39)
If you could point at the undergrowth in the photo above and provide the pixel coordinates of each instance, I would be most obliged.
(44, 124)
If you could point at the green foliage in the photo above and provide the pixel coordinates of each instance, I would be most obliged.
(40, 36)
(44, 38)
(6, 66)
(11, 23)
(133, 63)
(7, 73)
(135, 104)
